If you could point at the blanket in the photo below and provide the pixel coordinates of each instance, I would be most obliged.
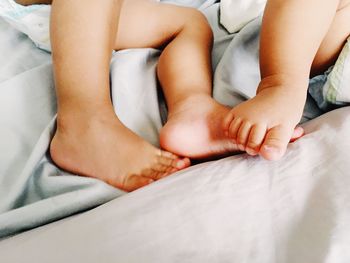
(33, 191)
(238, 209)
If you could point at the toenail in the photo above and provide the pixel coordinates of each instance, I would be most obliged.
(241, 147)
(180, 164)
(251, 151)
(270, 148)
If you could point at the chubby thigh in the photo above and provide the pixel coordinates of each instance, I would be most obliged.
(335, 39)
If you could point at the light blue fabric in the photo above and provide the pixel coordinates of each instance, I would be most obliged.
(33, 191)
(32, 20)
(317, 88)
(332, 89)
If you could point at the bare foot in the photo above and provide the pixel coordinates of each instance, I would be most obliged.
(194, 129)
(104, 148)
(266, 123)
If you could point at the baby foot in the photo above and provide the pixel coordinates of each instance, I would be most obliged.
(266, 123)
(194, 129)
(104, 148)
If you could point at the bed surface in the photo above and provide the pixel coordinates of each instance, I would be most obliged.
(237, 209)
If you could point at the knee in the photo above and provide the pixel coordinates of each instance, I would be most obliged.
(196, 23)
(344, 4)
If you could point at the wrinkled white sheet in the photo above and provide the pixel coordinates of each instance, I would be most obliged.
(235, 14)
(239, 209)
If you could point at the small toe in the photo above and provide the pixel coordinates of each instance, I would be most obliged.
(159, 167)
(227, 121)
(275, 143)
(133, 182)
(167, 155)
(243, 134)
(167, 159)
(151, 173)
(256, 138)
(234, 127)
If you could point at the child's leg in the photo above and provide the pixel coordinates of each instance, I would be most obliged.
(292, 33)
(334, 41)
(184, 72)
(90, 140)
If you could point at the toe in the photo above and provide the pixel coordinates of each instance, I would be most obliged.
(167, 155)
(182, 163)
(255, 139)
(234, 127)
(159, 168)
(151, 172)
(297, 134)
(133, 182)
(167, 159)
(243, 134)
(275, 143)
(171, 160)
(227, 121)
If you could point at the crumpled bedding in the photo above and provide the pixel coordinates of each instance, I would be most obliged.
(235, 14)
(34, 192)
(238, 209)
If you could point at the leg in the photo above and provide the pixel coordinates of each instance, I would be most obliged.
(265, 123)
(334, 40)
(184, 71)
(90, 140)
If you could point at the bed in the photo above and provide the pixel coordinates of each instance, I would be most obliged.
(236, 209)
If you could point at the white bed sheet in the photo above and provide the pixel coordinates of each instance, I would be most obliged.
(239, 209)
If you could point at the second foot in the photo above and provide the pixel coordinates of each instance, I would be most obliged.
(265, 124)
(194, 129)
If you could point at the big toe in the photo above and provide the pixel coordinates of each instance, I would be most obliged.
(297, 134)
(275, 143)
(183, 163)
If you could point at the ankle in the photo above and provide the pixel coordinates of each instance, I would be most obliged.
(188, 100)
(82, 120)
(299, 83)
